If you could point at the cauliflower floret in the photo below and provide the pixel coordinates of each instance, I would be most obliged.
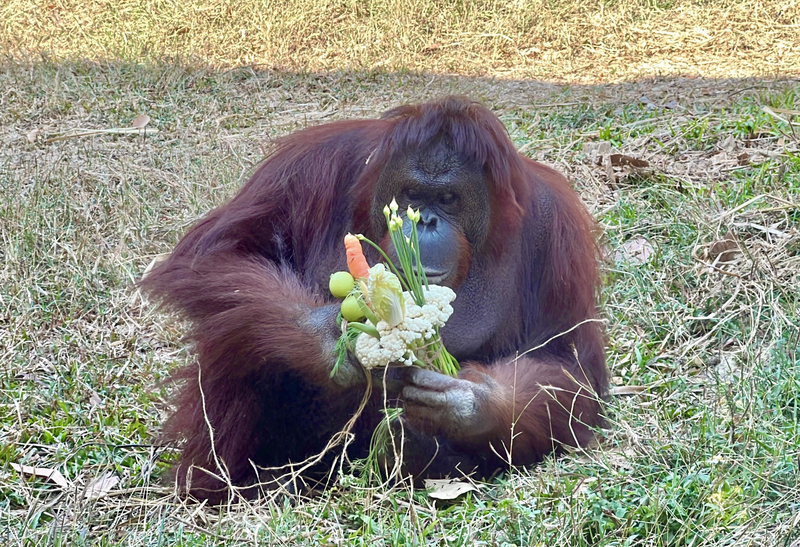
(397, 344)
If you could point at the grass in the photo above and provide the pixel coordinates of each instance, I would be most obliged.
(702, 252)
(591, 41)
(704, 453)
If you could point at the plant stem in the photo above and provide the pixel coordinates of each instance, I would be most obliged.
(386, 258)
(363, 327)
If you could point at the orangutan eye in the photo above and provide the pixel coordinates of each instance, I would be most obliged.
(413, 194)
(448, 198)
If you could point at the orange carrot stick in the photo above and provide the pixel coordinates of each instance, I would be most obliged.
(356, 262)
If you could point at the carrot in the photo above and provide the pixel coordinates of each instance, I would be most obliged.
(356, 262)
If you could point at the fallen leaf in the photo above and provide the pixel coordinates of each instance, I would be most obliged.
(140, 121)
(648, 103)
(596, 150)
(101, 486)
(53, 475)
(619, 160)
(447, 489)
(94, 399)
(33, 135)
(729, 144)
(726, 249)
(636, 251)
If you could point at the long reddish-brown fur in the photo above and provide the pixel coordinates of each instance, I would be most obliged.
(248, 273)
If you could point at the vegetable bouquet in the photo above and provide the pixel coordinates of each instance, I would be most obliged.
(389, 317)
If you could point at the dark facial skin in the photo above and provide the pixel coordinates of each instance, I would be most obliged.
(453, 199)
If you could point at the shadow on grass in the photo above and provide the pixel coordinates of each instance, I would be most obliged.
(45, 91)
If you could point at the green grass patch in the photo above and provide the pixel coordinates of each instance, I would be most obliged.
(704, 452)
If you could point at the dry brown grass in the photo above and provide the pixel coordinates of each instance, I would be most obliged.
(591, 41)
